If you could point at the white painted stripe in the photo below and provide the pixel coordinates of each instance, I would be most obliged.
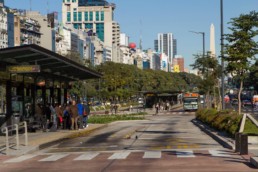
(219, 153)
(87, 156)
(54, 157)
(152, 154)
(119, 155)
(185, 154)
(20, 159)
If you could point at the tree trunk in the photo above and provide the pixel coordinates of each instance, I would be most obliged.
(220, 98)
(239, 96)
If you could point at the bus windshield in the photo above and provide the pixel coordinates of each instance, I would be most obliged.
(190, 101)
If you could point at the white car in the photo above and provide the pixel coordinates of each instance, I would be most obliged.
(140, 100)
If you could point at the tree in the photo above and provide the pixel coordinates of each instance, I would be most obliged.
(210, 74)
(241, 48)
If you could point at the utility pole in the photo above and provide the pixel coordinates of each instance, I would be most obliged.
(222, 53)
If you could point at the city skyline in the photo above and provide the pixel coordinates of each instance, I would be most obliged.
(175, 17)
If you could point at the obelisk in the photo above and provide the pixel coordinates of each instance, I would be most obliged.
(212, 41)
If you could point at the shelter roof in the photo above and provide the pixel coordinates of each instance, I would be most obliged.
(51, 64)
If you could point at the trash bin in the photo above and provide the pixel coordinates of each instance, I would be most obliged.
(2, 120)
(15, 118)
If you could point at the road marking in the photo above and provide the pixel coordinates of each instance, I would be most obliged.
(119, 155)
(20, 159)
(152, 154)
(185, 154)
(219, 153)
(54, 157)
(87, 156)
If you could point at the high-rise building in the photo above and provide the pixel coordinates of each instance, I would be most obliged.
(167, 45)
(1, 3)
(3, 28)
(96, 16)
(156, 45)
(46, 38)
(179, 63)
(124, 39)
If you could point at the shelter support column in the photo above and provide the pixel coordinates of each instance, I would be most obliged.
(20, 92)
(9, 101)
(43, 94)
(59, 96)
(65, 95)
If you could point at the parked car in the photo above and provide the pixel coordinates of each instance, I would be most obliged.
(140, 100)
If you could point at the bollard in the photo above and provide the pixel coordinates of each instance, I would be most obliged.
(237, 142)
(7, 141)
(243, 144)
(26, 133)
(17, 136)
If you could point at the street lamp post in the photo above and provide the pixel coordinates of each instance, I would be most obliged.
(222, 53)
(203, 41)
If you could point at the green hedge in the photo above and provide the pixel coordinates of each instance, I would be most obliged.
(227, 121)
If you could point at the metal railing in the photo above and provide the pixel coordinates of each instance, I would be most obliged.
(9, 130)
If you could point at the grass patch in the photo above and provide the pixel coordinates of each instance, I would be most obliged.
(104, 119)
(250, 128)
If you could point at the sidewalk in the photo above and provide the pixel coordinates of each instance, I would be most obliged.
(40, 140)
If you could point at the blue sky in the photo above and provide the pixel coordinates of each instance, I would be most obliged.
(150, 17)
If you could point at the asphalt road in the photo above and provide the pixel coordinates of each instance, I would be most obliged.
(166, 142)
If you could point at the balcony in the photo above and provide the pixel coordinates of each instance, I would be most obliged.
(3, 31)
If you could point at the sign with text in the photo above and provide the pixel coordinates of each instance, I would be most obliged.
(24, 69)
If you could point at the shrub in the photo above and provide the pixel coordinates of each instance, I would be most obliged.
(225, 120)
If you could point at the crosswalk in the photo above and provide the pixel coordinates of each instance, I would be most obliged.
(177, 113)
(121, 155)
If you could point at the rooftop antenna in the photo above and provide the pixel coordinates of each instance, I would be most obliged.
(47, 7)
(140, 45)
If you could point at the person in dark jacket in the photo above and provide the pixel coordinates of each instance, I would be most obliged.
(86, 114)
(74, 116)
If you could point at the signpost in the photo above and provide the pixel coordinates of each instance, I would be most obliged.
(24, 69)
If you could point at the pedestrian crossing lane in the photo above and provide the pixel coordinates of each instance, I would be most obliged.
(152, 154)
(119, 155)
(185, 154)
(54, 157)
(20, 159)
(219, 153)
(87, 156)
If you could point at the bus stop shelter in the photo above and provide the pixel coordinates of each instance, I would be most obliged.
(27, 67)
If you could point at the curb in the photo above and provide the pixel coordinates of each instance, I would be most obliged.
(225, 142)
(254, 161)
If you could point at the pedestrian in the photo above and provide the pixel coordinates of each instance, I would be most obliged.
(157, 109)
(54, 118)
(59, 114)
(67, 118)
(74, 115)
(48, 117)
(80, 113)
(116, 108)
(39, 115)
(86, 114)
